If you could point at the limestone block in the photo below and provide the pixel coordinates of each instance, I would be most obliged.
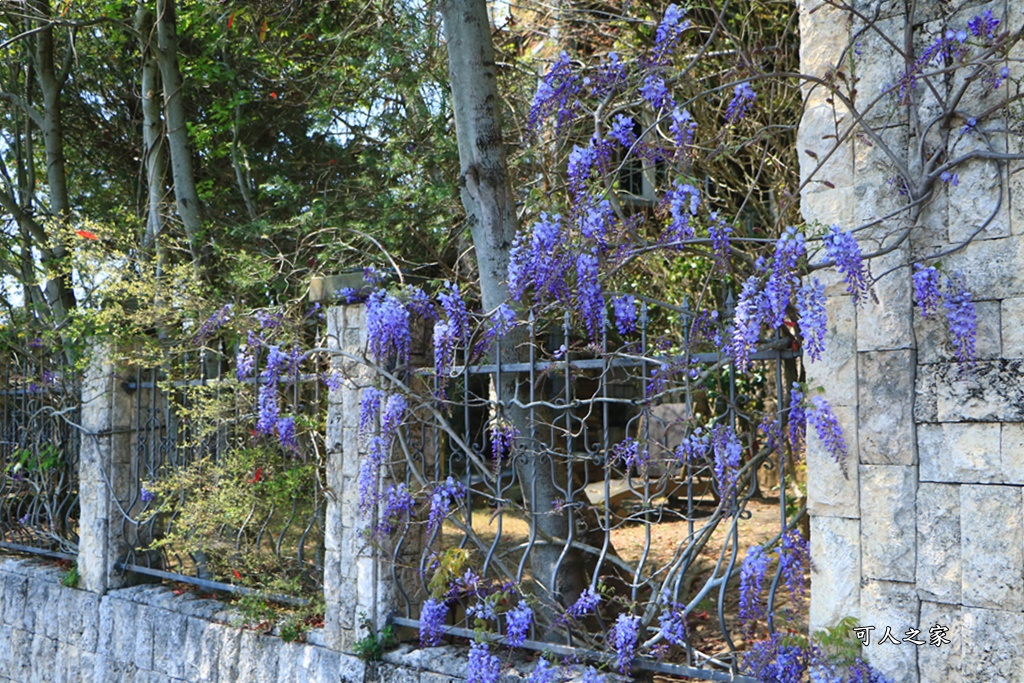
(351, 669)
(938, 543)
(941, 661)
(43, 658)
(894, 605)
(350, 452)
(991, 266)
(1016, 185)
(147, 627)
(967, 453)
(35, 598)
(287, 663)
(888, 520)
(195, 635)
(975, 210)
(1012, 325)
(887, 317)
(1012, 452)
(829, 492)
(835, 580)
(992, 644)
(934, 344)
(886, 423)
(50, 616)
(228, 657)
(825, 165)
(987, 391)
(993, 546)
(837, 368)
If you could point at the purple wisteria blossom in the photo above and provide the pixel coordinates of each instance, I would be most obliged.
(794, 560)
(392, 414)
(484, 667)
(728, 457)
(369, 410)
(844, 251)
(624, 308)
(556, 94)
(631, 454)
(582, 163)
(387, 327)
(333, 380)
(695, 448)
(752, 573)
(584, 605)
(682, 128)
(146, 496)
(747, 320)
(623, 130)
(683, 201)
(540, 262)
(369, 472)
(983, 25)
(503, 439)
(455, 308)
(656, 92)
(742, 100)
(669, 33)
(610, 76)
(544, 672)
(595, 221)
(590, 675)
(926, 289)
(441, 500)
(216, 321)
(245, 363)
(277, 365)
(445, 341)
(720, 233)
(268, 409)
(829, 432)
(962, 317)
(397, 503)
(517, 624)
(286, 433)
(672, 624)
(432, 618)
(589, 295)
(813, 317)
(625, 633)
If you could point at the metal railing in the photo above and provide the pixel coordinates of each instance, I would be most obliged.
(39, 449)
(603, 486)
(215, 503)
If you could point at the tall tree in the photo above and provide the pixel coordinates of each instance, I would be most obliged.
(490, 212)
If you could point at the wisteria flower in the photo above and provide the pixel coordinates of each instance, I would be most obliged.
(585, 604)
(441, 500)
(742, 100)
(484, 667)
(387, 327)
(962, 317)
(624, 308)
(625, 633)
(844, 251)
(752, 574)
(813, 317)
(829, 432)
(517, 624)
(432, 618)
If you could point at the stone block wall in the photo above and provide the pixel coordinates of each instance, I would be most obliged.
(929, 527)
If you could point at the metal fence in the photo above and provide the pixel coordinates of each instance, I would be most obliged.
(39, 448)
(215, 503)
(591, 466)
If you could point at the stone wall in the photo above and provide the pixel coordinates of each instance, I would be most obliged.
(929, 527)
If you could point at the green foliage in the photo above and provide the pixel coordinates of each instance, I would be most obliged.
(839, 643)
(70, 578)
(35, 460)
(371, 647)
(451, 564)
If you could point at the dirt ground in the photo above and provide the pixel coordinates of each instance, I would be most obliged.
(630, 541)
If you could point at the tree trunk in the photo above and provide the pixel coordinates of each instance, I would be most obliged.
(186, 195)
(153, 156)
(59, 288)
(490, 212)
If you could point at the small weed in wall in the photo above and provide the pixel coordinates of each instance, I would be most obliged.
(372, 646)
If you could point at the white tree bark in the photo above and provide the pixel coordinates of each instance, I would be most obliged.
(490, 212)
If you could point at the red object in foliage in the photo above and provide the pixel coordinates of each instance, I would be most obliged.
(258, 476)
(231, 20)
(237, 575)
(273, 95)
(86, 234)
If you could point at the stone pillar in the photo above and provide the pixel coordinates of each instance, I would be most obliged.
(361, 575)
(104, 472)
(929, 529)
